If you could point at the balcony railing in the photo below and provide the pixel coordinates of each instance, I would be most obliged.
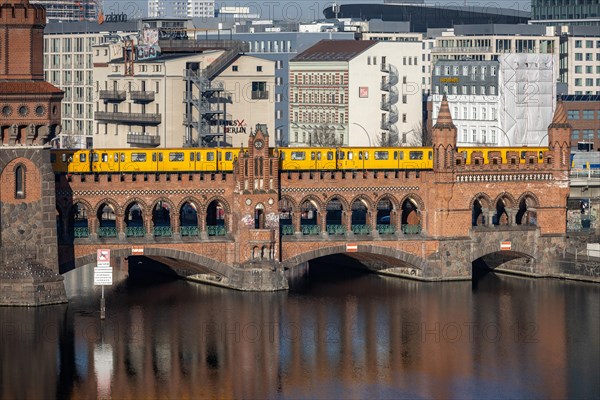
(386, 229)
(260, 95)
(141, 96)
(124, 118)
(361, 229)
(216, 230)
(411, 229)
(336, 229)
(135, 231)
(143, 138)
(287, 230)
(113, 95)
(107, 231)
(163, 231)
(189, 231)
(461, 49)
(310, 229)
(81, 232)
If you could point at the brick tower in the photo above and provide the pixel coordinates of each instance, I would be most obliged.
(256, 219)
(29, 119)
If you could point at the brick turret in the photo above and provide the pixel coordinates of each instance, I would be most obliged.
(444, 138)
(559, 137)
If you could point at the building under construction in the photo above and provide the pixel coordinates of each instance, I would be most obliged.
(69, 10)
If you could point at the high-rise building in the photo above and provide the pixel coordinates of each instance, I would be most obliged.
(181, 8)
(69, 10)
(566, 12)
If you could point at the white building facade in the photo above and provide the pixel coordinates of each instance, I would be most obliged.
(356, 93)
(181, 8)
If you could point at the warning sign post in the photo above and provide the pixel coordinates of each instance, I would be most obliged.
(103, 275)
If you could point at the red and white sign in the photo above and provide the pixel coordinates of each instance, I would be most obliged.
(505, 246)
(103, 258)
(137, 251)
(351, 248)
(363, 92)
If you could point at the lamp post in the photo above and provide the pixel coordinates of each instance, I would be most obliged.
(366, 132)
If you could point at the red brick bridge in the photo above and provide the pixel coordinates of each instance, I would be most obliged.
(249, 230)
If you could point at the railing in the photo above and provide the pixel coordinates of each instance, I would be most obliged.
(81, 232)
(260, 95)
(107, 231)
(360, 229)
(336, 229)
(163, 231)
(189, 231)
(411, 229)
(386, 229)
(287, 230)
(481, 49)
(310, 229)
(135, 231)
(141, 96)
(585, 173)
(121, 117)
(143, 138)
(114, 95)
(216, 230)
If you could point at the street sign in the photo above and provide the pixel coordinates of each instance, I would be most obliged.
(103, 276)
(505, 246)
(137, 251)
(351, 248)
(103, 258)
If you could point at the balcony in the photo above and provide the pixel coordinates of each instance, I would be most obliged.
(483, 49)
(128, 118)
(140, 96)
(260, 95)
(143, 138)
(113, 95)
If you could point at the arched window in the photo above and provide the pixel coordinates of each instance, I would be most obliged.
(20, 182)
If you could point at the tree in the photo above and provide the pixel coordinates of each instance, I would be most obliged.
(324, 136)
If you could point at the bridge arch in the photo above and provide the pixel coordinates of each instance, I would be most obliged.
(504, 205)
(413, 197)
(203, 262)
(139, 201)
(484, 200)
(527, 204)
(191, 200)
(314, 200)
(480, 206)
(407, 259)
(288, 203)
(226, 206)
(110, 202)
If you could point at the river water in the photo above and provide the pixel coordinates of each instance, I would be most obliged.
(337, 334)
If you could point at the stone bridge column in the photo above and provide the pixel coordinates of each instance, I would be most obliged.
(120, 224)
(93, 227)
(149, 226)
(512, 216)
(202, 225)
(175, 225)
(323, 222)
(296, 223)
(488, 216)
(347, 221)
(372, 220)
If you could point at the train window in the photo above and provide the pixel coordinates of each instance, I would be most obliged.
(350, 155)
(52, 158)
(312, 155)
(70, 159)
(228, 156)
(416, 155)
(282, 155)
(395, 155)
(341, 155)
(319, 155)
(138, 157)
(82, 157)
(523, 155)
(330, 155)
(176, 156)
(298, 155)
(122, 157)
(116, 157)
(402, 155)
(541, 155)
(154, 157)
(95, 157)
(430, 155)
(360, 154)
(104, 157)
(160, 156)
(383, 155)
(366, 155)
(192, 156)
(198, 156)
(64, 157)
(210, 156)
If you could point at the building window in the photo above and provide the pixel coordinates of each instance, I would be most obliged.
(578, 81)
(493, 138)
(259, 68)
(465, 135)
(588, 114)
(578, 44)
(278, 114)
(368, 60)
(588, 134)
(474, 135)
(578, 69)
(279, 81)
(278, 98)
(483, 135)
(578, 56)
(474, 111)
(234, 68)
(404, 99)
(573, 114)
(589, 44)
(575, 135)
(20, 182)
(259, 91)
(404, 118)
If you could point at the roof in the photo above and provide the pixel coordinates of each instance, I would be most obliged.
(27, 87)
(581, 97)
(335, 50)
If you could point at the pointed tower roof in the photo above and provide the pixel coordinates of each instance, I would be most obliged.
(444, 120)
(560, 116)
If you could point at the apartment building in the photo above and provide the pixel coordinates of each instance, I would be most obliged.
(580, 59)
(358, 93)
(68, 64)
(147, 103)
(504, 102)
(280, 47)
(181, 8)
(566, 12)
(583, 112)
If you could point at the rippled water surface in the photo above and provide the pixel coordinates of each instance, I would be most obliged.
(339, 334)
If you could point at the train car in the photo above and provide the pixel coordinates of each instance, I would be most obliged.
(384, 158)
(307, 158)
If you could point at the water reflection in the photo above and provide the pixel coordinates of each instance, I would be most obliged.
(360, 336)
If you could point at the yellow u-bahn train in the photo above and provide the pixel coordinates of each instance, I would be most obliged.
(291, 159)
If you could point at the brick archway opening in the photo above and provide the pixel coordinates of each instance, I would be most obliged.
(512, 261)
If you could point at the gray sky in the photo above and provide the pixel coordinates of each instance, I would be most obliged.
(301, 9)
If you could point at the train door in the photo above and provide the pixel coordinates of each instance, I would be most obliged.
(341, 156)
(158, 162)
